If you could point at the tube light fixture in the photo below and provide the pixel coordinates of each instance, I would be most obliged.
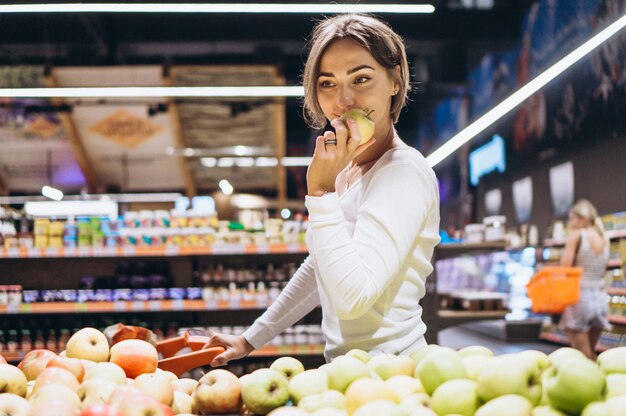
(52, 193)
(512, 101)
(145, 92)
(279, 8)
(262, 161)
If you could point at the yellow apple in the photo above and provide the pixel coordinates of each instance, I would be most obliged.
(12, 380)
(156, 385)
(363, 122)
(88, 344)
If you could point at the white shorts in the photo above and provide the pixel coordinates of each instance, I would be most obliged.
(591, 311)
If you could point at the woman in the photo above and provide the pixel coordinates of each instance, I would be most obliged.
(373, 208)
(586, 247)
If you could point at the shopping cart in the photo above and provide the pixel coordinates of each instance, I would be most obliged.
(554, 288)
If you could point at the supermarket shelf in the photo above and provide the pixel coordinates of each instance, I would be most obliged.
(614, 263)
(611, 235)
(267, 351)
(271, 351)
(129, 306)
(615, 234)
(617, 319)
(161, 251)
(619, 291)
(449, 318)
(562, 340)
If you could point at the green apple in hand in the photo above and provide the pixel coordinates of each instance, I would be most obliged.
(507, 374)
(264, 390)
(343, 370)
(574, 383)
(456, 397)
(288, 366)
(389, 365)
(308, 383)
(329, 398)
(363, 122)
(439, 366)
(507, 405)
(613, 360)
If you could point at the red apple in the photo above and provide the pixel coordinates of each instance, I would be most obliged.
(34, 362)
(156, 385)
(88, 344)
(135, 357)
(56, 375)
(218, 391)
(100, 410)
(143, 405)
(73, 365)
(14, 405)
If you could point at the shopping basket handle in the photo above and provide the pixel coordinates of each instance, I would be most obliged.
(182, 363)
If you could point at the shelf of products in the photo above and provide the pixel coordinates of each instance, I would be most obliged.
(562, 340)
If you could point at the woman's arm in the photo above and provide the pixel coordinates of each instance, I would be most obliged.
(571, 247)
(356, 270)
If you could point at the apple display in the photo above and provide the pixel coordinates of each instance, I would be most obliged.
(218, 391)
(574, 383)
(329, 398)
(95, 391)
(414, 401)
(264, 390)
(360, 354)
(474, 364)
(55, 391)
(329, 411)
(12, 380)
(142, 405)
(363, 122)
(56, 375)
(439, 366)
(475, 350)
(389, 365)
(563, 353)
(106, 371)
(308, 383)
(507, 374)
(365, 390)
(135, 357)
(379, 407)
(615, 385)
(613, 360)
(457, 396)
(171, 376)
(182, 403)
(186, 385)
(535, 358)
(34, 362)
(121, 392)
(404, 386)
(509, 405)
(546, 410)
(343, 370)
(289, 366)
(73, 365)
(14, 405)
(88, 344)
(156, 385)
(597, 409)
(288, 411)
(418, 355)
(53, 407)
(99, 410)
(423, 411)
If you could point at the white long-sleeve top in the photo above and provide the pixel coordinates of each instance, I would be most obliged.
(370, 253)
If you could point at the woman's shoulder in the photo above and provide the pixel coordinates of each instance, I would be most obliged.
(405, 155)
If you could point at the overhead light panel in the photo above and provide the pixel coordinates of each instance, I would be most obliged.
(52, 193)
(276, 8)
(147, 92)
(512, 101)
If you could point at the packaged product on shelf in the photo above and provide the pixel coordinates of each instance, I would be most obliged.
(40, 231)
(70, 233)
(4, 295)
(474, 233)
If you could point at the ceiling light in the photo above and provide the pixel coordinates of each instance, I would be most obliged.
(216, 8)
(226, 187)
(52, 193)
(146, 92)
(285, 213)
(295, 161)
(64, 209)
(208, 162)
(262, 162)
(523, 93)
(242, 150)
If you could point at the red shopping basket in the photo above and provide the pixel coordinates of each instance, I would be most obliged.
(552, 289)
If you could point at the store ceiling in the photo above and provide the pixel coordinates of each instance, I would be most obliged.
(74, 154)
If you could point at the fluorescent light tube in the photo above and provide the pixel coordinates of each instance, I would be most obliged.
(63, 209)
(512, 101)
(215, 8)
(52, 193)
(110, 92)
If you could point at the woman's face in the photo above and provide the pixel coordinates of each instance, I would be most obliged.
(576, 221)
(349, 77)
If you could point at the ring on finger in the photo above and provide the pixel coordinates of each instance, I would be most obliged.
(330, 141)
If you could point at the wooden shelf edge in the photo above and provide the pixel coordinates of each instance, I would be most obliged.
(562, 340)
(471, 314)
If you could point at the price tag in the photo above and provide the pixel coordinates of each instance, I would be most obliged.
(13, 308)
(84, 252)
(97, 251)
(128, 251)
(234, 304)
(293, 248)
(34, 252)
(109, 251)
(52, 252)
(211, 305)
(154, 305)
(13, 252)
(178, 305)
(137, 305)
(119, 306)
(263, 248)
(172, 251)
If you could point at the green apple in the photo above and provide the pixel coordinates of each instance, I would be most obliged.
(418, 355)
(597, 409)
(307, 383)
(564, 353)
(288, 366)
(360, 354)
(264, 390)
(287, 411)
(343, 370)
(547, 410)
(363, 122)
(615, 384)
(613, 360)
(389, 365)
(474, 364)
(421, 411)
(574, 383)
(617, 405)
(507, 374)
(329, 398)
(439, 366)
(507, 405)
(414, 401)
(538, 359)
(329, 411)
(475, 350)
(379, 407)
(456, 397)
(404, 386)
(365, 390)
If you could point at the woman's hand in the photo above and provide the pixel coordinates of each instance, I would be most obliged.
(330, 159)
(236, 347)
